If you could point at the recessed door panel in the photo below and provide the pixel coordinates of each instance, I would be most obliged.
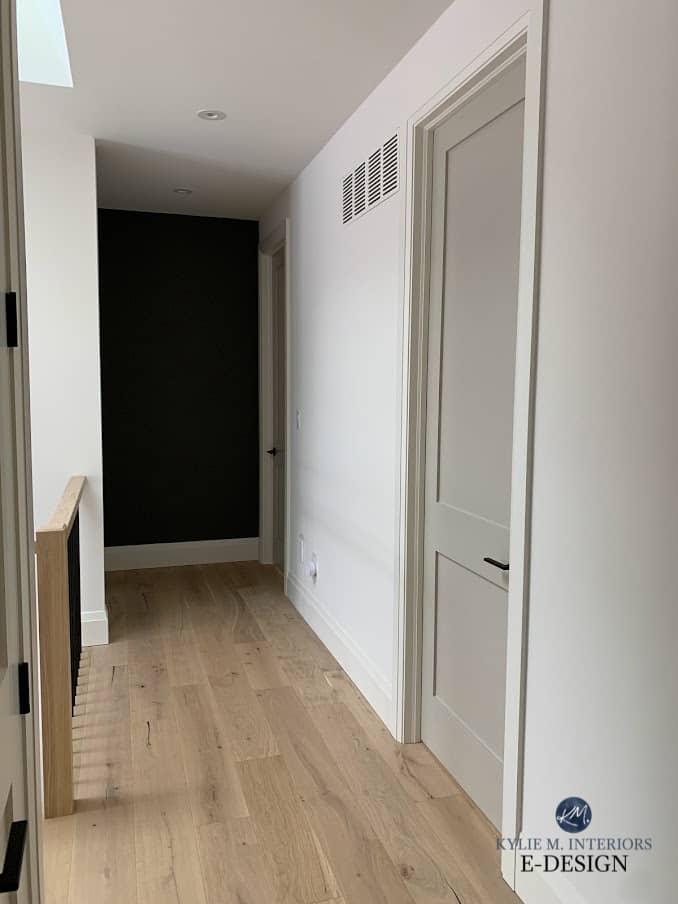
(479, 313)
(470, 654)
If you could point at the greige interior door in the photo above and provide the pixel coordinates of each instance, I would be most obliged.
(14, 805)
(18, 818)
(279, 410)
(475, 239)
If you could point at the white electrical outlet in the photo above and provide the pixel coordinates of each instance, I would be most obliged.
(301, 548)
(298, 419)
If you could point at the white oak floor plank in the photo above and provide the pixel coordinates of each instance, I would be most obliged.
(103, 846)
(430, 873)
(234, 864)
(417, 770)
(213, 783)
(58, 847)
(168, 866)
(363, 870)
(240, 623)
(471, 840)
(300, 872)
(261, 665)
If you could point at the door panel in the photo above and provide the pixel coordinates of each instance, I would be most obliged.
(470, 656)
(475, 241)
(279, 415)
(481, 263)
(17, 797)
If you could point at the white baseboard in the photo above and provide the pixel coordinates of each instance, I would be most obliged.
(164, 555)
(94, 628)
(354, 661)
(536, 888)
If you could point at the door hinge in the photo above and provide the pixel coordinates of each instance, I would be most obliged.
(24, 689)
(11, 320)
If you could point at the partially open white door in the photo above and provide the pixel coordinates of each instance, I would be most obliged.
(475, 242)
(19, 828)
(279, 408)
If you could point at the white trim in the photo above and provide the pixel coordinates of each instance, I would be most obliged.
(275, 239)
(534, 889)
(354, 661)
(265, 408)
(537, 888)
(525, 36)
(94, 628)
(196, 552)
(273, 242)
(523, 425)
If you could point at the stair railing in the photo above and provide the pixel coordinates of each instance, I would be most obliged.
(57, 548)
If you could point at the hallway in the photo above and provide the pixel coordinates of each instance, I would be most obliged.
(222, 756)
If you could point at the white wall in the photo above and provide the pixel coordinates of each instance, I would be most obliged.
(346, 361)
(602, 680)
(602, 670)
(63, 313)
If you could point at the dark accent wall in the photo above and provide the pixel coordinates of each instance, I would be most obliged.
(179, 370)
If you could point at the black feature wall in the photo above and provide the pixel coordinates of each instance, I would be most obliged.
(179, 350)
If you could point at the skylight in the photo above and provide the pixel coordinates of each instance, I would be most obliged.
(43, 53)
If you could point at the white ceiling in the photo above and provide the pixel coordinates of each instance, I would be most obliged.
(286, 72)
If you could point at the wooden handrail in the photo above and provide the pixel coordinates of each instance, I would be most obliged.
(51, 547)
(67, 509)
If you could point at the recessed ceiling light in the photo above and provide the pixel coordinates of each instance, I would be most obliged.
(182, 191)
(211, 115)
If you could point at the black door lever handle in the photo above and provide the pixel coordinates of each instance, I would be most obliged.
(272, 451)
(503, 566)
(10, 877)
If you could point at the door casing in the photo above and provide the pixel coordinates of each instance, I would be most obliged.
(272, 243)
(526, 37)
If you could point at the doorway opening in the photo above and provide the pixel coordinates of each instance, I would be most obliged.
(274, 432)
(471, 278)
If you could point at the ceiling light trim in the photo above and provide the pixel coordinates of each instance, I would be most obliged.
(211, 115)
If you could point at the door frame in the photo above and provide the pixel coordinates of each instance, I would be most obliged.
(13, 184)
(527, 36)
(272, 243)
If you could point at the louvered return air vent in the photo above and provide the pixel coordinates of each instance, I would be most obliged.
(374, 178)
(389, 167)
(359, 190)
(372, 181)
(347, 199)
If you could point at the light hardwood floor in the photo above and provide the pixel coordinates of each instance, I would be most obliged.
(223, 757)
